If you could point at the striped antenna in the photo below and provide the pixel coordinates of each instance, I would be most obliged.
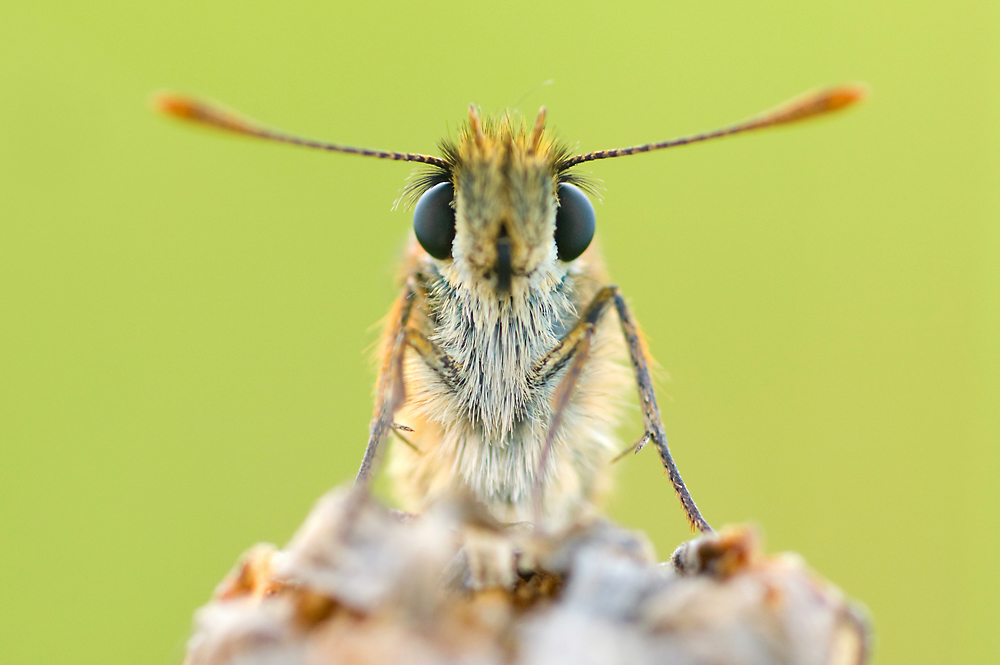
(214, 115)
(802, 107)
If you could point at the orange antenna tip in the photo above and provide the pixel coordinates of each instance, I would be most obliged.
(814, 103)
(174, 105)
(845, 95)
(848, 95)
(195, 110)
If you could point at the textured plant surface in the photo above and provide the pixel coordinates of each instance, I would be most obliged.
(395, 588)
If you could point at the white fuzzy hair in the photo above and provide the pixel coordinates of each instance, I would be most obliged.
(486, 437)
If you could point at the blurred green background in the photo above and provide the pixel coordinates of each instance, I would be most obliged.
(185, 315)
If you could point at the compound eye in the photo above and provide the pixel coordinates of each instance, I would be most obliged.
(434, 220)
(575, 222)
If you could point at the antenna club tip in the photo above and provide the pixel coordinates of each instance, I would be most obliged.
(846, 95)
(172, 104)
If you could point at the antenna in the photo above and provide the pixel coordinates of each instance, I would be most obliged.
(219, 117)
(804, 106)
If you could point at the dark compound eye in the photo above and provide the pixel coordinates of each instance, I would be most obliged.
(575, 222)
(434, 220)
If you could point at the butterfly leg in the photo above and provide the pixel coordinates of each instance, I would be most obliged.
(572, 353)
(390, 392)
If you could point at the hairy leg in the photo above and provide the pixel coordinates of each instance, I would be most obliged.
(572, 353)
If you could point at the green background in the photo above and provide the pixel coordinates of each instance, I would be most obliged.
(184, 316)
